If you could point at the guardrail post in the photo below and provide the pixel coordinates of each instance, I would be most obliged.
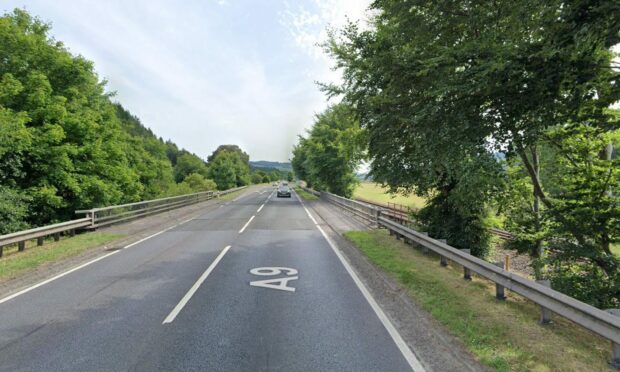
(90, 215)
(1, 250)
(466, 271)
(545, 314)
(443, 261)
(56, 237)
(40, 241)
(615, 348)
(72, 232)
(21, 246)
(424, 249)
(499, 289)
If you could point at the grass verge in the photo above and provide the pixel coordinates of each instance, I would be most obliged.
(14, 262)
(232, 195)
(375, 193)
(305, 195)
(503, 335)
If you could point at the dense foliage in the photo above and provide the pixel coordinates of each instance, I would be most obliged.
(64, 145)
(441, 88)
(328, 157)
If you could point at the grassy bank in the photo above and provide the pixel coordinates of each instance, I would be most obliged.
(305, 195)
(373, 192)
(14, 262)
(503, 335)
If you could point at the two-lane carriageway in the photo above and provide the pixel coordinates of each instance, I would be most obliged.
(252, 285)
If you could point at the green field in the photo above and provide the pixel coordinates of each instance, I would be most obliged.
(373, 192)
(503, 335)
(14, 262)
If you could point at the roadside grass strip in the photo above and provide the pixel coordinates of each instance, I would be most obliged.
(14, 262)
(305, 195)
(504, 335)
(232, 195)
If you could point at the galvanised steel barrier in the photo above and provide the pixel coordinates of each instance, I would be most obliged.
(117, 213)
(98, 217)
(40, 233)
(605, 323)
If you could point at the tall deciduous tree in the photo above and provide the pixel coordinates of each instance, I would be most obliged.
(441, 84)
(328, 158)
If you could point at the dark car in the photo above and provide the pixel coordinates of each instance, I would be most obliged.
(284, 191)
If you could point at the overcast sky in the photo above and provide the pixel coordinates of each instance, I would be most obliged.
(204, 73)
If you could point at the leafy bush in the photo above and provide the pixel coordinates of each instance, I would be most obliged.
(463, 228)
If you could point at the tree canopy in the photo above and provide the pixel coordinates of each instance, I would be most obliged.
(328, 158)
(443, 88)
(65, 145)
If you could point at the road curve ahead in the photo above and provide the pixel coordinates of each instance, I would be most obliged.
(251, 286)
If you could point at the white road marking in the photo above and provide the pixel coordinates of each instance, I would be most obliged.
(259, 209)
(273, 271)
(26, 290)
(281, 286)
(246, 224)
(308, 213)
(177, 309)
(413, 361)
(55, 277)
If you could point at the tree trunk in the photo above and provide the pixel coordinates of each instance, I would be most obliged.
(538, 249)
(605, 154)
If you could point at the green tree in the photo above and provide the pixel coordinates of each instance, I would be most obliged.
(222, 170)
(187, 164)
(198, 183)
(437, 84)
(330, 155)
(245, 158)
(257, 178)
(63, 144)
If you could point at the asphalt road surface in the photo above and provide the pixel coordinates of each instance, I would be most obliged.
(251, 286)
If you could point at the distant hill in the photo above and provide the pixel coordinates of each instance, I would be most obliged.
(264, 164)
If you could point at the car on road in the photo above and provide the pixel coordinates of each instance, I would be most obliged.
(284, 191)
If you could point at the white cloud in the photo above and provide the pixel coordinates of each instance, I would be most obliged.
(207, 73)
(308, 24)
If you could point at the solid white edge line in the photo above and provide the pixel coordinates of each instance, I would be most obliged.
(177, 309)
(26, 290)
(35, 286)
(246, 225)
(413, 361)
